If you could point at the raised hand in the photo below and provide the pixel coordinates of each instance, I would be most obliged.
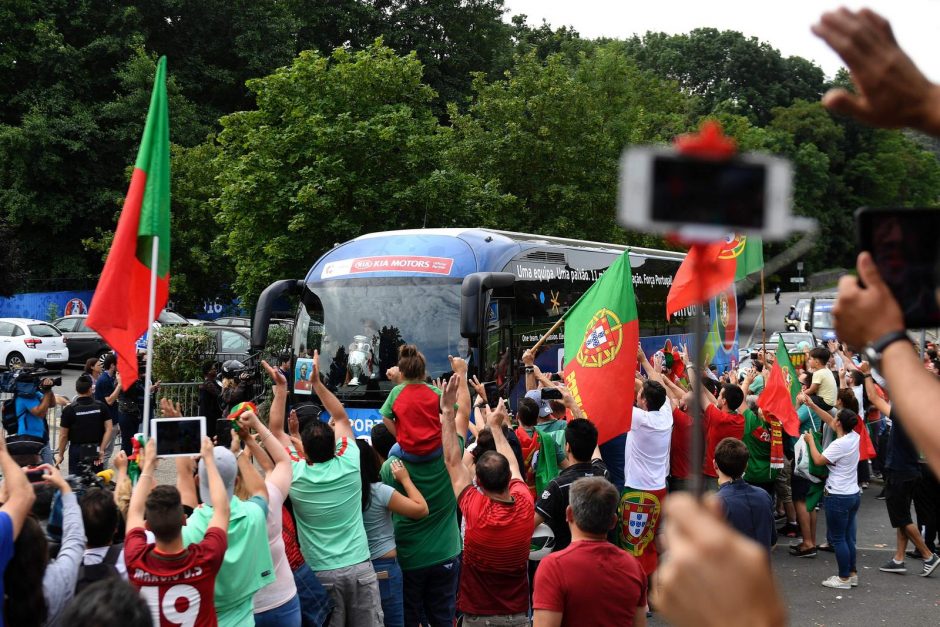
(458, 365)
(280, 381)
(169, 409)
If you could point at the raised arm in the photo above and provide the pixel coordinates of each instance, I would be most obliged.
(874, 398)
(145, 483)
(47, 402)
(653, 374)
(218, 496)
(120, 467)
(341, 425)
(250, 477)
(20, 494)
(495, 418)
(276, 417)
(459, 366)
(531, 380)
(826, 417)
(453, 452)
(282, 472)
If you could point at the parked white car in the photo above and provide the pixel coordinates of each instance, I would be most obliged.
(31, 342)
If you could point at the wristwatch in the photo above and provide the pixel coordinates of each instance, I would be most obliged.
(874, 350)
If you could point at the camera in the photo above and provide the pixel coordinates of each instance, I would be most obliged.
(551, 394)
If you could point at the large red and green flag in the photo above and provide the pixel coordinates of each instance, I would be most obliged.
(601, 336)
(789, 372)
(775, 400)
(708, 269)
(120, 309)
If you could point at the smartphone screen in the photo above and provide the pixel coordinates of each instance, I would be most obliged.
(727, 193)
(223, 432)
(904, 246)
(492, 393)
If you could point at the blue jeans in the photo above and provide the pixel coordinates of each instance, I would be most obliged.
(841, 513)
(286, 615)
(316, 605)
(391, 585)
(430, 594)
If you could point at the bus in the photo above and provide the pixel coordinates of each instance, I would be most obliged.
(484, 295)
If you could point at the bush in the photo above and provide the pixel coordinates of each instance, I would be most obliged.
(180, 352)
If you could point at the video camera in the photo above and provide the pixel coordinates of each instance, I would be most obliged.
(27, 380)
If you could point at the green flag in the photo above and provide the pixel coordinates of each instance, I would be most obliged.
(751, 258)
(789, 372)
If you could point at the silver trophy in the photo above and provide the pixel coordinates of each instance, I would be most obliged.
(359, 352)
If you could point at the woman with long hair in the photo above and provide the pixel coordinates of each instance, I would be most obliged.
(379, 502)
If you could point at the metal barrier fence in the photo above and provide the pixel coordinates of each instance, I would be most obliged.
(186, 394)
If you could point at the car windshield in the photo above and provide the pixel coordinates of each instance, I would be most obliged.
(823, 320)
(358, 326)
(169, 317)
(43, 330)
(792, 338)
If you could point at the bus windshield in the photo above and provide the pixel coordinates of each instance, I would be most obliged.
(358, 325)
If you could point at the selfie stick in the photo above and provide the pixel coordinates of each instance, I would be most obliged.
(709, 143)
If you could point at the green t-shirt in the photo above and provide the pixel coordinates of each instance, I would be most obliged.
(757, 385)
(757, 439)
(246, 568)
(435, 538)
(327, 500)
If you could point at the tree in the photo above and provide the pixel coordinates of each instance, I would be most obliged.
(728, 70)
(338, 146)
(452, 38)
(550, 135)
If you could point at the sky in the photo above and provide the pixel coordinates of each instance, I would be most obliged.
(785, 26)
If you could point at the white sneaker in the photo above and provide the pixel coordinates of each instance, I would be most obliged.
(836, 582)
(853, 580)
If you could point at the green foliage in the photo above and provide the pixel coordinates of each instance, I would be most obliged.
(337, 147)
(550, 134)
(727, 71)
(180, 352)
(279, 340)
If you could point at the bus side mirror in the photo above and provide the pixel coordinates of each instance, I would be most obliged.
(262, 318)
(471, 301)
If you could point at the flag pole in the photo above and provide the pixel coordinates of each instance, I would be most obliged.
(151, 316)
(547, 333)
(763, 310)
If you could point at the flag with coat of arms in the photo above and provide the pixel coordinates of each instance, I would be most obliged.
(601, 336)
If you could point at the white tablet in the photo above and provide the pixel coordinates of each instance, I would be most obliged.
(177, 437)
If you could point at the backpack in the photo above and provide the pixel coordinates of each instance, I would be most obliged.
(107, 569)
(11, 422)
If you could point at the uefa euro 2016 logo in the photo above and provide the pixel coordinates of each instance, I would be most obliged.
(75, 307)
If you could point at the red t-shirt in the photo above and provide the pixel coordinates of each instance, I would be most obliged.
(494, 574)
(591, 583)
(718, 426)
(291, 545)
(680, 448)
(416, 410)
(180, 588)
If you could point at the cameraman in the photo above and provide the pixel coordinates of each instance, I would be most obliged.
(235, 385)
(31, 410)
(84, 421)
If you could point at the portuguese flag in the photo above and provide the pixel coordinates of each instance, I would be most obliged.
(119, 311)
(601, 337)
(708, 269)
(783, 358)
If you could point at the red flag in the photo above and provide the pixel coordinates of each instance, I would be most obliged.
(119, 311)
(866, 450)
(702, 275)
(775, 400)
